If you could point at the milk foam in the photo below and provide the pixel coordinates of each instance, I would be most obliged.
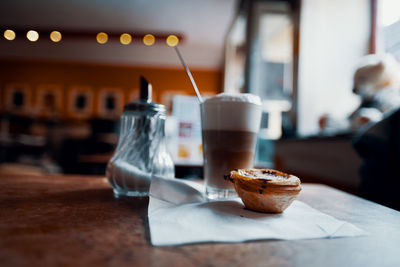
(231, 112)
(231, 97)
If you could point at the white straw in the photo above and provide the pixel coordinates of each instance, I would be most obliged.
(189, 74)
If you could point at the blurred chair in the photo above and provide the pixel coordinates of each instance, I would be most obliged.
(88, 155)
(329, 160)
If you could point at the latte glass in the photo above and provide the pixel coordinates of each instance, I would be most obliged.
(230, 124)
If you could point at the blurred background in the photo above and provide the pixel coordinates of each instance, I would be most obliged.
(68, 67)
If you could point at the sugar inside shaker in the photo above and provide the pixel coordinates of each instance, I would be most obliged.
(141, 150)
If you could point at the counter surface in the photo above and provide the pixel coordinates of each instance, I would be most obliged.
(76, 221)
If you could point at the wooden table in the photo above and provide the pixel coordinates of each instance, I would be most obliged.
(76, 221)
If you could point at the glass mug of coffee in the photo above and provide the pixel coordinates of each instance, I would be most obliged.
(230, 124)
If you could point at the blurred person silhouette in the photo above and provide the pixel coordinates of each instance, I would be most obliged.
(379, 147)
(377, 82)
(375, 124)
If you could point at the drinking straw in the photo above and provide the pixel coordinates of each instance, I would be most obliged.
(189, 74)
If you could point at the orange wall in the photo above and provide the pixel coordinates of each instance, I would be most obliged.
(36, 73)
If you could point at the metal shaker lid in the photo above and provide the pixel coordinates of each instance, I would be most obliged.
(145, 103)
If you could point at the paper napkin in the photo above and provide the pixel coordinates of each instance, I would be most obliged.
(178, 214)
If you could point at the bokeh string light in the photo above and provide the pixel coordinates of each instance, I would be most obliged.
(124, 38)
(55, 36)
(102, 37)
(9, 35)
(172, 40)
(32, 35)
(149, 39)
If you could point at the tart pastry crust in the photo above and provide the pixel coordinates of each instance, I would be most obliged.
(265, 190)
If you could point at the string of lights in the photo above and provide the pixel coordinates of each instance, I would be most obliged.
(100, 37)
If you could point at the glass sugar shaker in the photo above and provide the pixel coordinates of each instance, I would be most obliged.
(141, 151)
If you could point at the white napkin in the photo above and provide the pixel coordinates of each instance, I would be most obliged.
(178, 214)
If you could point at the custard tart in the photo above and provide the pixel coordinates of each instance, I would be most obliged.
(265, 190)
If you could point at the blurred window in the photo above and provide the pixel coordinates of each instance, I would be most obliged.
(275, 63)
(80, 102)
(49, 101)
(389, 27)
(18, 99)
(235, 56)
(259, 60)
(110, 102)
(262, 35)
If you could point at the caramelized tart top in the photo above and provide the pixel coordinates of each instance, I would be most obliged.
(264, 178)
